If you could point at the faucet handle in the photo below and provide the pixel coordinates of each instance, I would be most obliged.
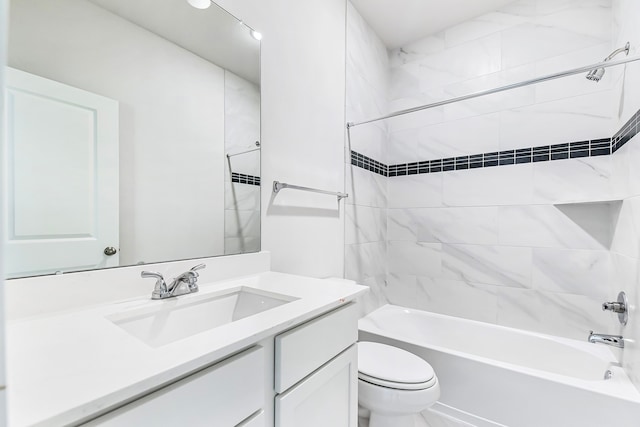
(161, 286)
(146, 274)
(198, 267)
(193, 277)
(616, 307)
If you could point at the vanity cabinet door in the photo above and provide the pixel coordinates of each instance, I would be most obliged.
(222, 395)
(328, 397)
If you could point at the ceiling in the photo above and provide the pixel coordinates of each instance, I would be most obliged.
(398, 22)
(211, 33)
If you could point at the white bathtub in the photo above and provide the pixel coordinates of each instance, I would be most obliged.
(492, 375)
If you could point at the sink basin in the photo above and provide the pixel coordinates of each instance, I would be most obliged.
(176, 319)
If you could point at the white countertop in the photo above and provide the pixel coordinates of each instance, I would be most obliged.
(67, 367)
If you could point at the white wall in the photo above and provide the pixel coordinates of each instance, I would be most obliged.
(80, 44)
(303, 88)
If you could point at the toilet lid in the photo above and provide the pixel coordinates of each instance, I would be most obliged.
(391, 365)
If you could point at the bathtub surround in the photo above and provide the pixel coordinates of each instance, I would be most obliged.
(505, 240)
(624, 248)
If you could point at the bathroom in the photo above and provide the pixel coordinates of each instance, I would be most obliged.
(481, 226)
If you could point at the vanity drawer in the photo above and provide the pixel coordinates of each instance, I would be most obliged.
(302, 350)
(222, 395)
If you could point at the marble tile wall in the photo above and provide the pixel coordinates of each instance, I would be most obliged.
(625, 248)
(242, 172)
(527, 246)
(366, 214)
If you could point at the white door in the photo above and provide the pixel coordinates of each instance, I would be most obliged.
(61, 200)
(328, 397)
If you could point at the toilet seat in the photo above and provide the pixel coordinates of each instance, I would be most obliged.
(392, 367)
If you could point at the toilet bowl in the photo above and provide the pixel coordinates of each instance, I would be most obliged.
(394, 385)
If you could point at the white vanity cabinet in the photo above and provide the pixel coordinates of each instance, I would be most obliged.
(305, 376)
(316, 372)
(224, 394)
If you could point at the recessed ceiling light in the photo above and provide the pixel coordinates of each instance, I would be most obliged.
(200, 4)
(256, 35)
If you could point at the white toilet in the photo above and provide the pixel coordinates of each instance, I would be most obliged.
(394, 385)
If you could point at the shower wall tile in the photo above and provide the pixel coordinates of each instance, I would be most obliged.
(417, 50)
(364, 224)
(534, 41)
(473, 301)
(458, 63)
(403, 146)
(573, 85)
(482, 26)
(402, 224)
(506, 185)
(370, 140)
(577, 118)
(418, 119)
(416, 191)
(545, 226)
(487, 264)
(585, 179)
(581, 272)
(553, 313)
(626, 279)
(514, 98)
(365, 260)
(366, 54)
(401, 289)
(472, 225)
(479, 134)
(414, 258)
(375, 298)
(364, 100)
(365, 188)
(590, 18)
(626, 235)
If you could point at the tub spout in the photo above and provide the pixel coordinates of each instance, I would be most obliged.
(614, 340)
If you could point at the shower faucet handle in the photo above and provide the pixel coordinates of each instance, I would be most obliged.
(616, 307)
(621, 306)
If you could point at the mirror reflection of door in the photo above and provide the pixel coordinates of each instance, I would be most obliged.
(62, 207)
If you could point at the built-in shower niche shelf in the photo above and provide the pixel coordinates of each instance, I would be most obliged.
(598, 218)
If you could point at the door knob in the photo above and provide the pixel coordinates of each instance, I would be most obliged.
(110, 250)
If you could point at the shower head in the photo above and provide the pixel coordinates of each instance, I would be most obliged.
(596, 75)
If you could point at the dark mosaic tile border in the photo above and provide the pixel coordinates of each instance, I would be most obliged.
(241, 178)
(544, 153)
(364, 162)
(628, 131)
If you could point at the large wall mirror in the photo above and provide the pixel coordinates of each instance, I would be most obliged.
(133, 134)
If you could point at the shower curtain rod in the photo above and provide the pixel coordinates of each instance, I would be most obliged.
(243, 152)
(548, 77)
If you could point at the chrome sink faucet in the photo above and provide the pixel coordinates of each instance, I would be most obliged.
(185, 283)
(614, 340)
